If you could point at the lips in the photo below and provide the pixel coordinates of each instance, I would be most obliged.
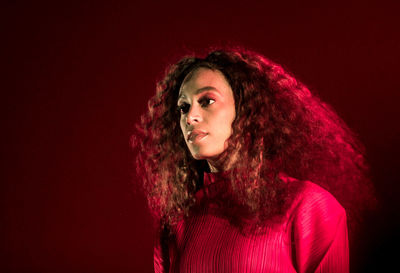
(196, 135)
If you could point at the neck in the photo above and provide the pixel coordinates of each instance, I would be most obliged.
(214, 168)
(222, 164)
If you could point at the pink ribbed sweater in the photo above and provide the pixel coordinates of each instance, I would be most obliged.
(311, 237)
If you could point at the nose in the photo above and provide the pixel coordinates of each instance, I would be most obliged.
(194, 115)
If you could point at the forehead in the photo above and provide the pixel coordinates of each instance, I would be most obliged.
(203, 79)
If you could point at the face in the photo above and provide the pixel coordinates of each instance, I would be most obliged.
(207, 109)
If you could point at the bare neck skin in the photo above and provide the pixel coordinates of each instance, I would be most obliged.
(220, 165)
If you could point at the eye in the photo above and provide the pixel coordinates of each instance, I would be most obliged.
(183, 108)
(205, 101)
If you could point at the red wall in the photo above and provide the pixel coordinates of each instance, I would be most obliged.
(77, 76)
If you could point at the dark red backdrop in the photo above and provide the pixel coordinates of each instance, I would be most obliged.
(77, 76)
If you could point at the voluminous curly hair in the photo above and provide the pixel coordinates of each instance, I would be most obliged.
(280, 127)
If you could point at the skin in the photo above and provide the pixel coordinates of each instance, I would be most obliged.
(207, 104)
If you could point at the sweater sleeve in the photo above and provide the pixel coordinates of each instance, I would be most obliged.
(158, 260)
(320, 233)
(161, 255)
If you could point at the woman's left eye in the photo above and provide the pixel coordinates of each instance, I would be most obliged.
(206, 101)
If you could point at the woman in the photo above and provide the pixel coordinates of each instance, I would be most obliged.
(246, 171)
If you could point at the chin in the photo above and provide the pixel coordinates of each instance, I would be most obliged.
(201, 155)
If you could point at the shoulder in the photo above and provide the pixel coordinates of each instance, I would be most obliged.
(310, 197)
(315, 212)
(313, 206)
(318, 198)
(318, 227)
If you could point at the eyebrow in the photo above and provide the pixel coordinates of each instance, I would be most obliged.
(200, 90)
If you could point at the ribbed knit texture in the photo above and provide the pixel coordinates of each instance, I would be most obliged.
(311, 237)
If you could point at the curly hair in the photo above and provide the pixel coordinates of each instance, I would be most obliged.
(280, 127)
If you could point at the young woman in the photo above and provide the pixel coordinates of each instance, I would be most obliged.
(246, 171)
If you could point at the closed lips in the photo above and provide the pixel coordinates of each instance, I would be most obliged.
(195, 133)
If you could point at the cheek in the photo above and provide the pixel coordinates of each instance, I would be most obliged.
(182, 125)
(228, 118)
(224, 126)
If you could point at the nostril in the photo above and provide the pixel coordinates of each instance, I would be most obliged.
(191, 119)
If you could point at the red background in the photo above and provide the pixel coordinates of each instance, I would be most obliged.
(77, 77)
